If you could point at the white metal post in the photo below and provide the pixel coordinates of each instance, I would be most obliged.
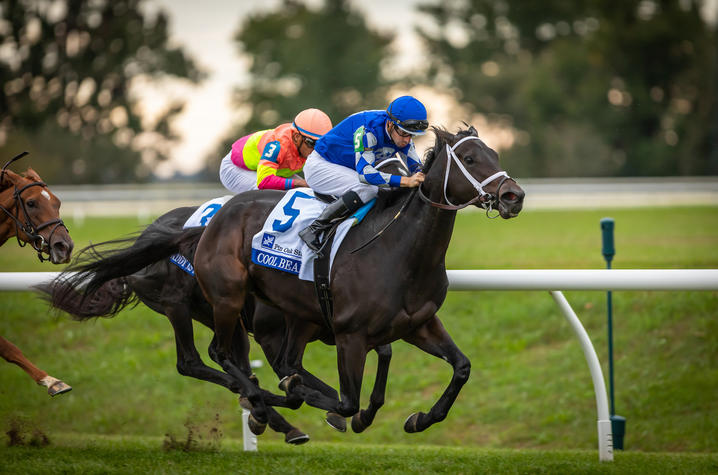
(250, 440)
(605, 435)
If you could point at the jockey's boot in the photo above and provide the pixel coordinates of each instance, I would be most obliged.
(342, 207)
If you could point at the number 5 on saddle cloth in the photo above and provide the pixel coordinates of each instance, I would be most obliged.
(279, 246)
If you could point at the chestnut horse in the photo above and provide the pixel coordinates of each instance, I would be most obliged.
(31, 213)
(382, 292)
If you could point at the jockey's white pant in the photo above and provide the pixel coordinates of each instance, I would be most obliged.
(236, 179)
(332, 179)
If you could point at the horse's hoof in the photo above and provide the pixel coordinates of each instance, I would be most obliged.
(294, 401)
(59, 387)
(244, 403)
(336, 421)
(288, 383)
(411, 423)
(357, 425)
(255, 426)
(296, 437)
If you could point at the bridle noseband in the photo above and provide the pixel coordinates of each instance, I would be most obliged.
(488, 201)
(28, 227)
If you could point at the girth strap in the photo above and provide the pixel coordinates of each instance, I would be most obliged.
(321, 279)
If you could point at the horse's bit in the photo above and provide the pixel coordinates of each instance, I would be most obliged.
(28, 227)
(487, 200)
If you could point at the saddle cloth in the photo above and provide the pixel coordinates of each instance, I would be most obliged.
(200, 218)
(278, 244)
(203, 214)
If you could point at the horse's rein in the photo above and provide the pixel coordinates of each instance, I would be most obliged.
(486, 200)
(33, 232)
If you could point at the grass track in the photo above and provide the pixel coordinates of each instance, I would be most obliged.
(529, 387)
(144, 455)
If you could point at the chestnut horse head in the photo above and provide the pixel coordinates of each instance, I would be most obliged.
(31, 213)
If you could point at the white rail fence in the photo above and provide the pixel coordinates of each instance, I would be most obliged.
(539, 279)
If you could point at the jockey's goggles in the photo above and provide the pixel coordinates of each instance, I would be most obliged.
(410, 126)
(308, 140)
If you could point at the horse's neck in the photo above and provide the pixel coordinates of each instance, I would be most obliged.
(422, 233)
(434, 229)
(435, 226)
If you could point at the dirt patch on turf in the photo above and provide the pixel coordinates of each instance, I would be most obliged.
(22, 433)
(200, 437)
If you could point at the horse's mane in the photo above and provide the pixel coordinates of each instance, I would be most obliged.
(443, 137)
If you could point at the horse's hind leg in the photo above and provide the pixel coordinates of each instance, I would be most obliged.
(351, 358)
(292, 435)
(223, 280)
(189, 363)
(433, 338)
(364, 418)
(274, 334)
(12, 354)
(269, 398)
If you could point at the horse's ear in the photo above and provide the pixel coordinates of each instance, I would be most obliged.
(8, 179)
(32, 175)
(473, 131)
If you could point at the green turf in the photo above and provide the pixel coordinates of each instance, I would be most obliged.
(98, 454)
(529, 387)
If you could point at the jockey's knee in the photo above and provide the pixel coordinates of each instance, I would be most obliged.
(366, 192)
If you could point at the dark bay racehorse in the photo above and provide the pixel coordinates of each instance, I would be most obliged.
(106, 278)
(29, 211)
(383, 292)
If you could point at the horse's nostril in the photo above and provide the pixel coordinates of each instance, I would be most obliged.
(509, 197)
(512, 197)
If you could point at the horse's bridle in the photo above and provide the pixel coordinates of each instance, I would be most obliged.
(28, 227)
(487, 200)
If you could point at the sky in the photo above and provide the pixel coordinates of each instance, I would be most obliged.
(205, 30)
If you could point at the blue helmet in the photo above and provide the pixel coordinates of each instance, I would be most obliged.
(408, 114)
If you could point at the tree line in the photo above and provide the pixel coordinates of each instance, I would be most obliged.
(584, 88)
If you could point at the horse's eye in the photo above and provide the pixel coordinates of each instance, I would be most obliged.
(468, 160)
(31, 203)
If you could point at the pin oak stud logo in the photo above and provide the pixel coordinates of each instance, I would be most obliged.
(268, 241)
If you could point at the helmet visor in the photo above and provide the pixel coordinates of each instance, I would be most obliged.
(410, 126)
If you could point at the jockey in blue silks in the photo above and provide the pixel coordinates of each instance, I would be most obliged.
(343, 158)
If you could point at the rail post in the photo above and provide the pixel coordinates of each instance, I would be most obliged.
(618, 423)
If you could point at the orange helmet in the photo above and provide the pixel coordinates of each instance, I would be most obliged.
(313, 123)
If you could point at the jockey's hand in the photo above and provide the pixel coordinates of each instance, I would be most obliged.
(298, 182)
(412, 181)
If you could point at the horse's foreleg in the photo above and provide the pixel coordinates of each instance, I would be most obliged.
(12, 354)
(433, 338)
(364, 418)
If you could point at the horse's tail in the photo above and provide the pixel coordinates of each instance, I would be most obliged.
(95, 285)
(107, 301)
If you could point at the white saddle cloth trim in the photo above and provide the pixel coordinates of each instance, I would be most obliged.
(278, 244)
(202, 216)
